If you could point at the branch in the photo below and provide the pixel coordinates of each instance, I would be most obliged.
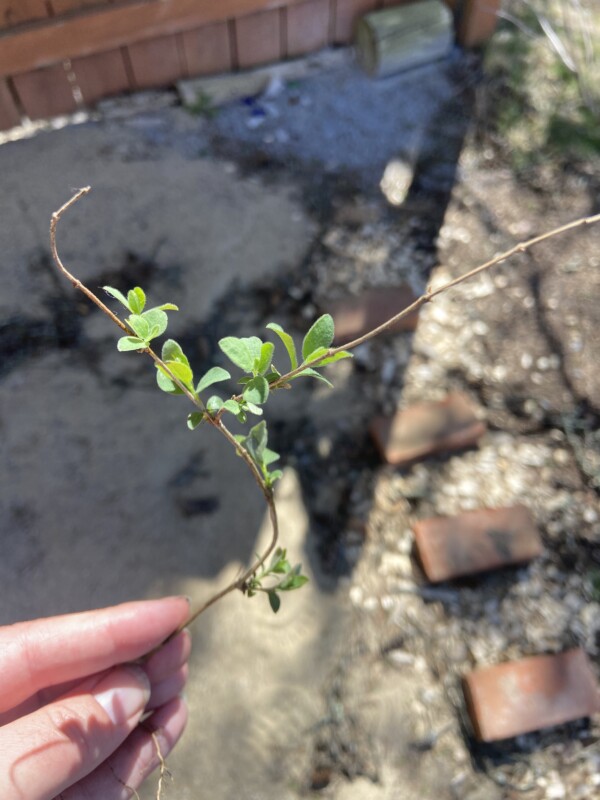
(241, 582)
(522, 247)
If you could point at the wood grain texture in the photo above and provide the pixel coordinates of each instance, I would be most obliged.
(157, 62)
(64, 6)
(9, 113)
(258, 38)
(14, 12)
(100, 75)
(308, 26)
(207, 49)
(45, 92)
(347, 12)
(114, 26)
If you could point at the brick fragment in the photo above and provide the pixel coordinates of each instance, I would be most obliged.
(355, 316)
(427, 428)
(476, 541)
(521, 696)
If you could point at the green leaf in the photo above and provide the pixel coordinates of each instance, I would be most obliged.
(238, 352)
(117, 295)
(165, 383)
(320, 334)
(245, 379)
(274, 476)
(270, 456)
(262, 364)
(214, 403)
(130, 343)
(171, 351)
(139, 325)
(287, 341)
(293, 582)
(257, 391)
(254, 409)
(167, 307)
(157, 320)
(274, 375)
(312, 373)
(336, 357)
(181, 371)
(274, 601)
(256, 441)
(214, 375)
(232, 407)
(136, 298)
(194, 419)
(241, 417)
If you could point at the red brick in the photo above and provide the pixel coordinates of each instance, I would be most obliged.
(476, 541)
(522, 696)
(427, 428)
(355, 316)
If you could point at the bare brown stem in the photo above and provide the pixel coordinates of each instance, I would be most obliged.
(430, 294)
(241, 582)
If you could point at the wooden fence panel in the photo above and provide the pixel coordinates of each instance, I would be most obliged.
(45, 92)
(100, 75)
(9, 113)
(158, 62)
(258, 38)
(13, 12)
(64, 6)
(208, 49)
(347, 12)
(308, 26)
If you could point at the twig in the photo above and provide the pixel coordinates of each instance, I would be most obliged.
(241, 582)
(522, 247)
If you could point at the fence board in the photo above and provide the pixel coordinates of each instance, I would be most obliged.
(347, 12)
(64, 6)
(308, 27)
(9, 113)
(156, 63)
(45, 92)
(207, 49)
(100, 75)
(12, 12)
(106, 29)
(258, 38)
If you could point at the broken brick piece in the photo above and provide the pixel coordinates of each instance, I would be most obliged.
(427, 428)
(476, 541)
(522, 696)
(356, 316)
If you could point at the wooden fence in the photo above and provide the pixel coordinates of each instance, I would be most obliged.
(57, 56)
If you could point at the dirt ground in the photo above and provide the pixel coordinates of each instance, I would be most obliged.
(352, 691)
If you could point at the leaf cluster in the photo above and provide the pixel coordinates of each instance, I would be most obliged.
(286, 577)
(174, 375)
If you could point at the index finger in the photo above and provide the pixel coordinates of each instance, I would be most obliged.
(46, 652)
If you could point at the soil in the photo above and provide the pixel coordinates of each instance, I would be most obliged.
(354, 692)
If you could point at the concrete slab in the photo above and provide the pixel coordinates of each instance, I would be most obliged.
(104, 493)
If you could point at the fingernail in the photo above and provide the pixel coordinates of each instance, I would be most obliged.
(123, 694)
(187, 598)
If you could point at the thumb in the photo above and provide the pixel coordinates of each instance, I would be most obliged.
(46, 751)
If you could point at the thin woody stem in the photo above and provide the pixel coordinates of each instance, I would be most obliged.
(239, 583)
(430, 294)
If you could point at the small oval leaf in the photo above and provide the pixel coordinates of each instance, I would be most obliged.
(130, 343)
(214, 375)
(320, 334)
(257, 391)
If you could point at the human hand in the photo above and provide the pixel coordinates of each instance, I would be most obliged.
(70, 704)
